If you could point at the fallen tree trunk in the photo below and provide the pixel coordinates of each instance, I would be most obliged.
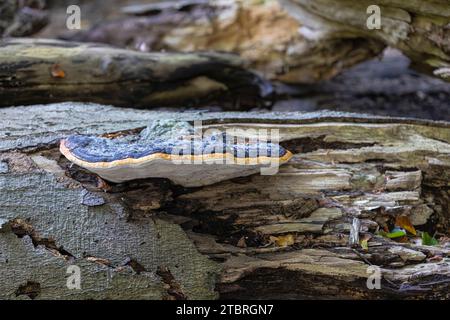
(302, 41)
(280, 236)
(261, 32)
(41, 71)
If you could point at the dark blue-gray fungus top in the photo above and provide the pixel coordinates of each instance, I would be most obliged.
(168, 137)
(156, 151)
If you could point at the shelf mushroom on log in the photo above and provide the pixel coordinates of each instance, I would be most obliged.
(284, 235)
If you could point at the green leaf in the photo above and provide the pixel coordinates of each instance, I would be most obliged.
(428, 240)
(396, 234)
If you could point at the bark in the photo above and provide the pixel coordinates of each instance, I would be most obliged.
(41, 71)
(281, 236)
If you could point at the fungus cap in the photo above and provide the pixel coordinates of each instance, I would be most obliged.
(183, 159)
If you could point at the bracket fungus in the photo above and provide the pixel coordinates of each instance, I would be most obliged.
(177, 151)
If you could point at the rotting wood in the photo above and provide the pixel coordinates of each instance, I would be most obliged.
(226, 237)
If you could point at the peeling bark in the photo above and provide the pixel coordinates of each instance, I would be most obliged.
(157, 240)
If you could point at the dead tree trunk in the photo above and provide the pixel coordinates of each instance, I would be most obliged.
(43, 71)
(281, 236)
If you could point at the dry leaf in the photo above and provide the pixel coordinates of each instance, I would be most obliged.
(284, 241)
(241, 243)
(404, 223)
(272, 240)
(364, 241)
(364, 244)
(103, 185)
(57, 72)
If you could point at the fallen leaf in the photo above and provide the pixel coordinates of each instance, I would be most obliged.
(272, 239)
(404, 223)
(364, 241)
(364, 244)
(103, 185)
(284, 241)
(241, 243)
(57, 72)
(428, 240)
(396, 234)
